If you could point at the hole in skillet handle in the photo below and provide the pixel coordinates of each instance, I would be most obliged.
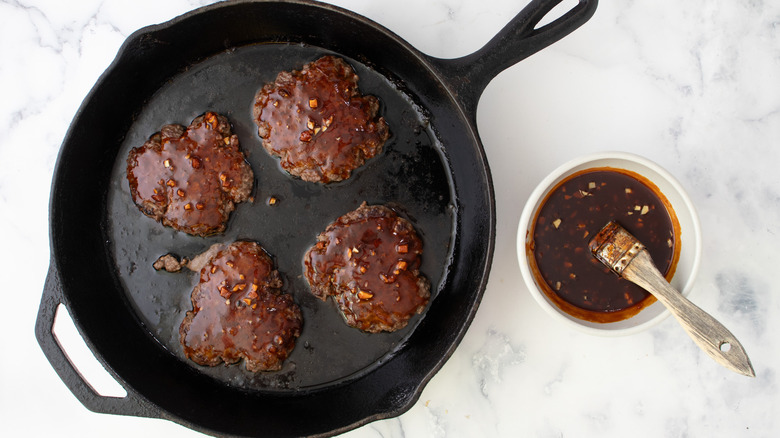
(53, 312)
(81, 357)
(556, 12)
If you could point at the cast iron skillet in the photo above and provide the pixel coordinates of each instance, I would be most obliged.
(433, 171)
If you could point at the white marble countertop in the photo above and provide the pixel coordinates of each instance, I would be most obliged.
(693, 86)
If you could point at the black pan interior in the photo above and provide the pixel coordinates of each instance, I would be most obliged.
(410, 175)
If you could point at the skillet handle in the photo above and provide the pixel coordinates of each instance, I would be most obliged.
(132, 404)
(519, 39)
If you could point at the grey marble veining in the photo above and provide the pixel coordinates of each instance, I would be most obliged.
(693, 86)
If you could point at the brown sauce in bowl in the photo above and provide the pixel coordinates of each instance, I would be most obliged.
(571, 215)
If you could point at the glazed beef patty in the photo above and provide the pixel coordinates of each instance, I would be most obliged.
(368, 260)
(317, 122)
(190, 178)
(238, 311)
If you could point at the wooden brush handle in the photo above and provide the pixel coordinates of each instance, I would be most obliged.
(706, 331)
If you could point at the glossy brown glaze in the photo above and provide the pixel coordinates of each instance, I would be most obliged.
(368, 261)
(190, 179)
(572, 214)
(239, 312)
(317, 122)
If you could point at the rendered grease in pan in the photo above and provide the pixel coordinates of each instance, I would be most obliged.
(410, 175)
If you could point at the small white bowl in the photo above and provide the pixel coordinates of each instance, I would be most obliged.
(690, 238)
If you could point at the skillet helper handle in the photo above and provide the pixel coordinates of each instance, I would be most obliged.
(519, 39)
(132, 404)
